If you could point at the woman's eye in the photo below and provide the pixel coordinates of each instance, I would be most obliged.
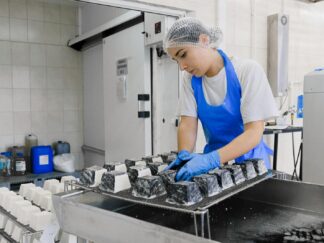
(183, 55)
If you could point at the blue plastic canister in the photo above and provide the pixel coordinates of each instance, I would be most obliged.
(42, 159)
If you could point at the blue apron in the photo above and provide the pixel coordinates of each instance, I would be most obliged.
(223, 123)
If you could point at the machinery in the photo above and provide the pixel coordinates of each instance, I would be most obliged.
(266, 211)
(277, 62)
(313, 129)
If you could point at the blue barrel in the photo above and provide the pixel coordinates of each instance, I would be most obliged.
(42, 159)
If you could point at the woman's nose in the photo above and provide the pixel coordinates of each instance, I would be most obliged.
(182, 66)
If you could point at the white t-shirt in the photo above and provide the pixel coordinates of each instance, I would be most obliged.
(257, 101)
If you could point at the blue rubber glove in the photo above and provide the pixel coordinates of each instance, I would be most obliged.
(199, 164)
(183, 156)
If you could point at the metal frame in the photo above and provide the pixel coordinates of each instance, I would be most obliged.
(287, 193)
(276, 132)
(131, 5)
(93, 149)
(28, 234)
(77, 215)
(116, 21)
(141, 6)
(200, 214)
(96, 211)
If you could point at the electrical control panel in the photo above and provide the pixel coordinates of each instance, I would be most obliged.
(156, 26)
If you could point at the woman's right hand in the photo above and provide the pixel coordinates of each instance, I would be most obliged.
(182, 157)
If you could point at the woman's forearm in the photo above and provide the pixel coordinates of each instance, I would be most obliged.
(187, 133)
(243, 143)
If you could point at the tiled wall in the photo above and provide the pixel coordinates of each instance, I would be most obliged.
(40, 77)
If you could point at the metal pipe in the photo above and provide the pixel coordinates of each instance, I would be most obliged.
(208, 225)
(202, 218)
(92, 149)
(195, 222)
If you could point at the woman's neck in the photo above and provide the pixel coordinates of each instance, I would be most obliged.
(216, 64)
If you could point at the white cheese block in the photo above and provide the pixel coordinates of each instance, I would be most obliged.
(41, 220)
(48, 183)
(23, 188)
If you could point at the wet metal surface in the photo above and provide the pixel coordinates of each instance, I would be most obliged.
(266, 212)
(236, 220)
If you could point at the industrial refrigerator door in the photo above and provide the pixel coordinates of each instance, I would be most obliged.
(126, 75)
(165, 100)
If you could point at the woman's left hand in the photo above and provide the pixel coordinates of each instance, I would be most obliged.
(199, 164)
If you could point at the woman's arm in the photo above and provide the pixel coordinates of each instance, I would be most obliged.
(187, 133)
(250, 138)
(200, 164)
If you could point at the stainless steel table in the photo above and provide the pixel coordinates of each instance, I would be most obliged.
(276, 132)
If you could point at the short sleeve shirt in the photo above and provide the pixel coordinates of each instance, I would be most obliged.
(257, 101)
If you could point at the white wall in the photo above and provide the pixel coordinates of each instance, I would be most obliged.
(40, 77)
(94, 126)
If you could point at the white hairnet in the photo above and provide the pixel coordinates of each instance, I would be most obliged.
(186, 31)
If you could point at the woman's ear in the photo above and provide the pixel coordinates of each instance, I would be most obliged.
(204, 40)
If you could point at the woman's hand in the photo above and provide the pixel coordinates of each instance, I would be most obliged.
(182, 157)
(199, 164)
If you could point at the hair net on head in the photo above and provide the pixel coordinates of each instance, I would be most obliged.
(186, 32)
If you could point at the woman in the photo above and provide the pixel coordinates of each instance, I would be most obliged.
(231, 98)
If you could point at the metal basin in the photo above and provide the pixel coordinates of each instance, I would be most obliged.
(263, 213)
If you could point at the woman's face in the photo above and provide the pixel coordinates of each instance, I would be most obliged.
(194, 60)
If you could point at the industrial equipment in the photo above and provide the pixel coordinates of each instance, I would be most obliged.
(278, 39)
(313, 155)
(265, 212)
